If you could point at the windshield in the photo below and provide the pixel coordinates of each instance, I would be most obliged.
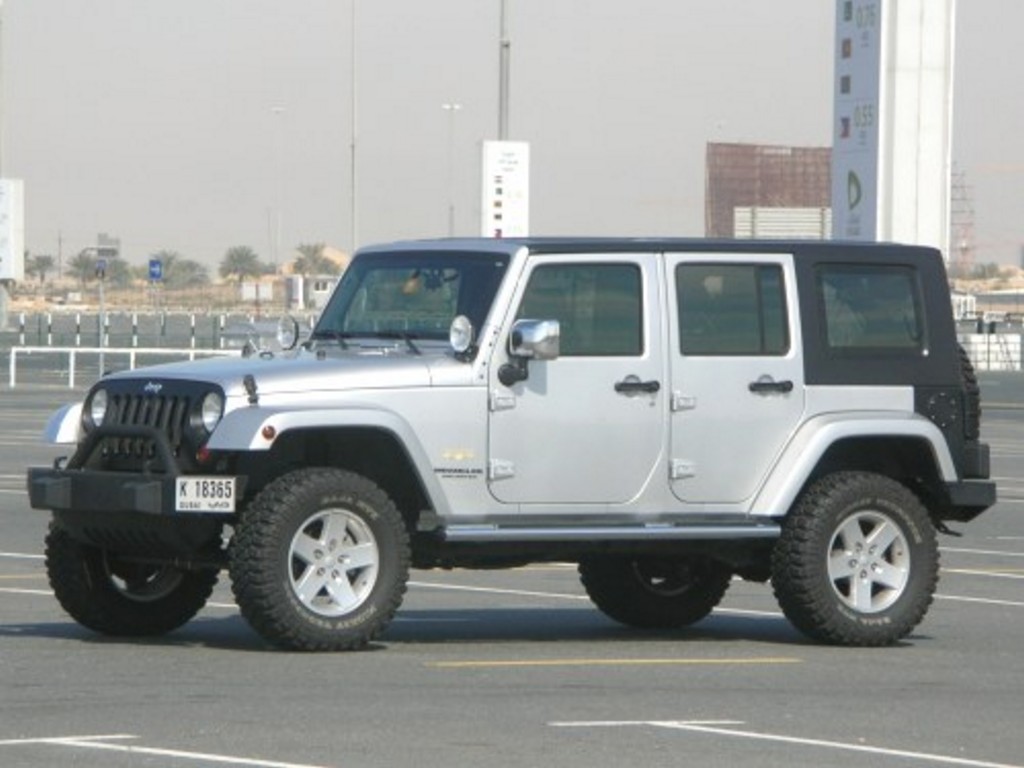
(411, 295)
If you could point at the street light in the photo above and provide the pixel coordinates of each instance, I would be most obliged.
(278, 217)
(451, 108)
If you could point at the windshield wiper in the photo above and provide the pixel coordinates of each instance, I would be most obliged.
(338, 336)
(403, 335)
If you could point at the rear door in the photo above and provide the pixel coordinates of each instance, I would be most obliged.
(737, 391)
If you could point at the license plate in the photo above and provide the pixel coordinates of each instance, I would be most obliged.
(197, 493)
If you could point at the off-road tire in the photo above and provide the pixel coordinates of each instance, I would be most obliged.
(119, 598)
(972, 396)
(313, 542)
(857, 561)
(654, 593)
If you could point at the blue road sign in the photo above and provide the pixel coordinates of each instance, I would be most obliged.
(156, 269)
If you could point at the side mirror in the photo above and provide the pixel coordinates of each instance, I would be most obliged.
(535, 339)
(529, 340)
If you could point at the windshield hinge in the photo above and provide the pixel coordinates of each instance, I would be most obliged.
(502, 401)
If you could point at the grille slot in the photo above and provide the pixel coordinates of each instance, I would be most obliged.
(167, 414)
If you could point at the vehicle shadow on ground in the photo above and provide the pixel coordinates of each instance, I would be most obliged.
(431, 627)
(496, 625)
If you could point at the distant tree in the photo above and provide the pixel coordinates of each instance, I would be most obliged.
(985, 271)
(311, 261)
(179, 272)
(187, 273)
(118, 273)
(38, 266)
(240, 262)
(84, 267)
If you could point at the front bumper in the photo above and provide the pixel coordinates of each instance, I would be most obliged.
(130, 514)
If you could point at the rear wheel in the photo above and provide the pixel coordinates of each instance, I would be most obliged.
(857, 561)
(654, 593)
(114, 596)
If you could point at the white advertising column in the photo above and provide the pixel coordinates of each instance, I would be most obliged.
(505, 190)
(893, 115)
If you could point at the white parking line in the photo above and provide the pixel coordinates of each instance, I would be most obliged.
(982, 600)
(696, 726)
(997, 553)
(102, 742)
(990, 574)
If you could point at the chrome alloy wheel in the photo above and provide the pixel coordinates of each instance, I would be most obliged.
(869, 562)
(333, 562)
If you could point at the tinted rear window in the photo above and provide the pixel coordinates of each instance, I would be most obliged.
(871, 308)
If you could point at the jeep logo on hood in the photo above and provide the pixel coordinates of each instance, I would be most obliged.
(152, 388)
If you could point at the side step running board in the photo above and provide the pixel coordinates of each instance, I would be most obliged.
(487, 533)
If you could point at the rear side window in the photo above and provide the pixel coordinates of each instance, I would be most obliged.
(871, 308)
(731, 309)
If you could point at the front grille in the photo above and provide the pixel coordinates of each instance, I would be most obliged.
(168, 414)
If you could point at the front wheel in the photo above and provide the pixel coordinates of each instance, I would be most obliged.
(114, 596)
(320, 561)
(857, 562)
(654, 592)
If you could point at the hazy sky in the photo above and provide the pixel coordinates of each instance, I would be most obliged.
(192, 125)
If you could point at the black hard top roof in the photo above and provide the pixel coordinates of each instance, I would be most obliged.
(821, 249)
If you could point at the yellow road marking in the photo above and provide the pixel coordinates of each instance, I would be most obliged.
(511, 663)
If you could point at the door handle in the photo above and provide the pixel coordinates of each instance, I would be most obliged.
(633, 384)
(768, 384)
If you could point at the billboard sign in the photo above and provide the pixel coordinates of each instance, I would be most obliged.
(857, 108)
(12, 229)
(505, 206)
(893, 107)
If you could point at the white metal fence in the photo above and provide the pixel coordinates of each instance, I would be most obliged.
(993, 351)
(73, 357)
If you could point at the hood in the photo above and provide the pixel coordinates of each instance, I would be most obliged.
(303, 372)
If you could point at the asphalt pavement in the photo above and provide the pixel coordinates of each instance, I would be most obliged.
(516, 668)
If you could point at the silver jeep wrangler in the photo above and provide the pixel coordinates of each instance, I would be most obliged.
(665, 413)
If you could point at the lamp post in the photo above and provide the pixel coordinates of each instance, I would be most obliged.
(451, 108)
(354, 126)
(278, 217)
(504, 66)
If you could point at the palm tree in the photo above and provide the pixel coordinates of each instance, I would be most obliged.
(179, 272)
(240, 262)
(312, 261)
(38, 266)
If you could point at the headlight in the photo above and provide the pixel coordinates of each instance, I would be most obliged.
(211, 410)
(97, 407)
(460, 334)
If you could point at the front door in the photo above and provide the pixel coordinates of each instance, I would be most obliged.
(737, 375)
(588, 427)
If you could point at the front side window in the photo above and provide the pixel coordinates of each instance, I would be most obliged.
(871, 308)
(731, 309)
(598, 306)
